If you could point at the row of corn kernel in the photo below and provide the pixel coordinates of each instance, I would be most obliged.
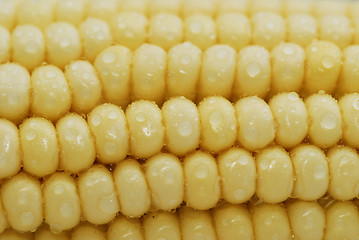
(150, 73)
(144, 129)
(298, 219)
(163, 183)
(63, 42)
(42, 12)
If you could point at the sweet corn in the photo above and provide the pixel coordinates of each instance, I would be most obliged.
(142, 107)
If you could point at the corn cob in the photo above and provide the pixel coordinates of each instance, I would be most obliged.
(342, 160)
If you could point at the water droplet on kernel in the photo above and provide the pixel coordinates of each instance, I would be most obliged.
(327, 62)
(314, 49)
(239, 194)
(253, 69)
(51, 74)
(56, 228)
(356, 104)
(201, 171)
(169, 177)
(59, 189)
(216, 120)
(30, 135)
(110, 148)
(31, 47)
(243, 160)
(108, 204)
(27, 218)
(70, 134)
(109, 57)
(319, 172)
(328, 121)
(65, 42)
(75, 66)
(269, 221)
(184, 128)
(140, 117)
(96, 120)
(112, 115)
(222, 54)
(185, 59)
(66, 210)
(22, 198)
(265, 164)
(289, 50)
(250, 133)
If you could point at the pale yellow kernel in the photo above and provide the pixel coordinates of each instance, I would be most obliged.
(200, 30)
(302, 28)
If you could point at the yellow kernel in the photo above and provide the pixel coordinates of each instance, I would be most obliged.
(161, 225)
(10, 153)
(182, 125)
(302, 29)
(51, 97)
(88, 232)
(218, 124)
(298, 7)
(102, 9)
(123, 228)
(165, 30)
(323, 65)
(287, 68)
(191, 7)
(274, 6)
(233, 222)
(349, 107)
(200, 30)
(22, 200)
(108, 126)
(269, 29)
(37, 12)
(130, 29)
(217, 72)
(311, 172)
(325, 121)
(270, 222)
(253, 75)
(233, 6)
(255, 122)
(61, 202)
(71, 11)
(113, 66)
(39, 146)
(164, 176)
(291, 117)
(275, 175)
(164, 6)
(238, 35)
(8, 11)
(202, 182)
(44, 233)
(132, 190)
(96, 36)
(98, 195)
(5, 43)
(307, 219)
(184, 63)
(85, 86)
(139, 6)
(77, 148)
(14, 92)
(148, 73)
(238, 174)
(63, 44)
(335, 29)
(347, 82)
(323, 8)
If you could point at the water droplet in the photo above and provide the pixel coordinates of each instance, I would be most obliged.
(22, 198)
(30, 135)
(289, 50)
(129, 33)
(196, 27)
(314, 49)
(216, 120)
(356, 104)
(75, 66)
(51, 74)
(319, 172)
(86, 75)
(59, 189)
(169, 177)
(250, 133)
(185, 59)
(184, 128)
(201, 171)
(140, 117)
(222, 54)
(70, 134)
(56, 228)
(112, 115)
(239, 194)
(55, 85)
(65, 42)
(292, 96)
(31, 47)
(147, 131)
(96, 120)
(327, 62)
(110, 148)
(109, 57)
(27, 218)
(265, 164)
(269, 221)
(243, 160)
(108, 204)
(253, 69)
(328, 121)
(66, 210)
